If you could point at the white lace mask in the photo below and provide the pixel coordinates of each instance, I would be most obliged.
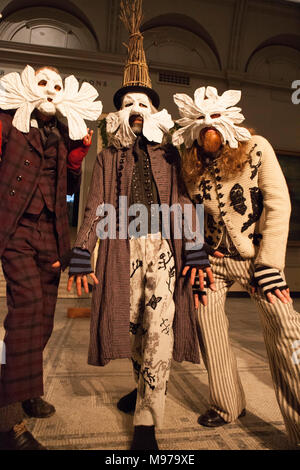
(210, 110)
(45, 91)
(155, 125)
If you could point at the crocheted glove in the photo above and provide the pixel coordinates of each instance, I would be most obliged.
(197, 259)
(80, 263)
(196, 287)
(268, 279)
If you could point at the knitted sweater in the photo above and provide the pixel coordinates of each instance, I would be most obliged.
(254, 205)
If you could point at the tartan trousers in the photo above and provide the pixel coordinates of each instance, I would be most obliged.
(152, 309)
(31, 286)
(281, 329)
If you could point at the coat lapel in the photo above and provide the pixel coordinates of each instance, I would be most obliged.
(34, 139)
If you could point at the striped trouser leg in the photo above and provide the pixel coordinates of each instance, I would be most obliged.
(281, 330)
(226, 392)
(152, 312)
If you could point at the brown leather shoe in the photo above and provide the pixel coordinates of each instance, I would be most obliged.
(212, 419)
(38, 408)
(19, 438)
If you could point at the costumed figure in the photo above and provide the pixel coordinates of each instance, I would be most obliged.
(138, 283)
(237, 177)
(40, 164)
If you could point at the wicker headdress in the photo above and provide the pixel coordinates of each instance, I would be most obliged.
(136, 73)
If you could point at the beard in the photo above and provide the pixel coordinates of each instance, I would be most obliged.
(211, 140)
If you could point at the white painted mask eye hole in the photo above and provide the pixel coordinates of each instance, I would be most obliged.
(215, 115)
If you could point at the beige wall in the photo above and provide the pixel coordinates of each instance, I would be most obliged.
(252, 45)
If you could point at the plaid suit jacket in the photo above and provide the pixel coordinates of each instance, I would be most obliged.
(19, 178)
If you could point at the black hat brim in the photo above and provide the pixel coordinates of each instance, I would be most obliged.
(136, 89)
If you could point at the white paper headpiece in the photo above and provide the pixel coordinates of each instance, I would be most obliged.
(210, 110)
(44, 91)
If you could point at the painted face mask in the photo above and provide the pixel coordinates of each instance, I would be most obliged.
(44, 91)
(154, 125)
(209, 110)
(50, 89)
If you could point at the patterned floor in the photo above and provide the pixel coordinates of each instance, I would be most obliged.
(85, 397)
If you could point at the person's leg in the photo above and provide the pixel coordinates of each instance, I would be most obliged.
(47, 254)
(227, 399)
(157, 334)
(22, 375)
(281, 330)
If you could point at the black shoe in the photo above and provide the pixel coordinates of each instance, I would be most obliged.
(144, 438)
(212, 419)
(19, 438)
(38, 408)
(128, 402)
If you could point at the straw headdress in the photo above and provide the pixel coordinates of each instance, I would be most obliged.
(136, 74)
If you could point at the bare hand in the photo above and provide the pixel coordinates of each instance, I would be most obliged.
(79, 281)
(87, 140)
(56, 265)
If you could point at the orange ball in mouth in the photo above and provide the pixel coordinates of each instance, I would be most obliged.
(210, 139)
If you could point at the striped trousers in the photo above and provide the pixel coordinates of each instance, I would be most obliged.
(152, 309)
(281, 329)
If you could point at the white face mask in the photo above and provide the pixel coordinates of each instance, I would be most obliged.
(50, 89)
(155, 125)
(30, 91)
(210, 110)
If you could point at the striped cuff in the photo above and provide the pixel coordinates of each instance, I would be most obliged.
(269, 279)
(197, 259)
(80, 262)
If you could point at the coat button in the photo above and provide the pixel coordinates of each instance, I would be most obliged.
(19, 178)
(12, 192)
(27, 163)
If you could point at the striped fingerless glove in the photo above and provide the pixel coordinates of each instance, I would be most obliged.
(197, 259)
(80, 262)
(196, 287)
(268, 279)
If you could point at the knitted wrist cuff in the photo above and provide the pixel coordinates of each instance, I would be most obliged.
(80, 262)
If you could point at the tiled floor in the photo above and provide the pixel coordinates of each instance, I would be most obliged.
(85, 397)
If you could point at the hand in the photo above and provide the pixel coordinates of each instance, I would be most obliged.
(79, 280)
(270, 281)
(203, 276)
(87, 140)
(56, 265)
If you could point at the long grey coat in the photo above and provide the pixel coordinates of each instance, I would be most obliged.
(109, 334)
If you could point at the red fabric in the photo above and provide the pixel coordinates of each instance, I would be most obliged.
(76, 156)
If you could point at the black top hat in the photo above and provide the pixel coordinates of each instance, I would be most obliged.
(136, 89)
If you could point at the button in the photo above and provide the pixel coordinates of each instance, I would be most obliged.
(27, 163)
(19, 178)
(218, 178)
(222, 204)
(221, 223)
(12, 192)
(221, 196)
(219, 186)
(223, 213)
